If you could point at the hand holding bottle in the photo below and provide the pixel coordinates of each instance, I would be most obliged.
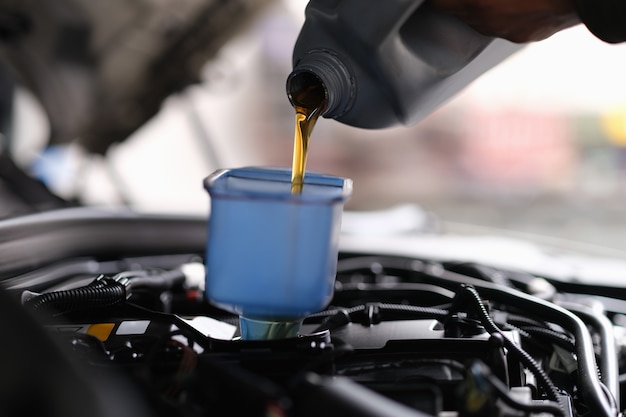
(516, 20)
(534, 20)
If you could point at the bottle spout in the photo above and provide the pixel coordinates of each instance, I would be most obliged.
(305, 89)
(321, 77)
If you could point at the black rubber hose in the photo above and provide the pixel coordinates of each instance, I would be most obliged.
(609, 365)
(100, 293)
(590, 386)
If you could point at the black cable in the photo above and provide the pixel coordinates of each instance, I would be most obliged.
(105, 291)
(537, 337)
(522, 355)
(553, 336)
(419, 271)
(333, 311)
(101, 293)
(589, 384)
(336, 318)
(428, 311)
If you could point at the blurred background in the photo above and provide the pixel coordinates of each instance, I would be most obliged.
(536, 148)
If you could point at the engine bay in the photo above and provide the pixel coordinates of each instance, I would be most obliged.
(105, 312)
(402, 335)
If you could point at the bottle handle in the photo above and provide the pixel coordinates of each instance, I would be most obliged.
(370, 21)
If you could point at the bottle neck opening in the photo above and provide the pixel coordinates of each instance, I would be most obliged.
(305, 89)
(321, 77)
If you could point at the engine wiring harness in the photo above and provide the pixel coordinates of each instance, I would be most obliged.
(402, 336)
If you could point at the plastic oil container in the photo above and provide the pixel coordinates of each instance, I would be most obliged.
(385, 63)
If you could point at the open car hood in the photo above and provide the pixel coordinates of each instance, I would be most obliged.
(102, 69)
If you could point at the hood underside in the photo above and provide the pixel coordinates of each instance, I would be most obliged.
(101, 69)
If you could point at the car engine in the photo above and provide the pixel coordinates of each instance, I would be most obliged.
(105, 314)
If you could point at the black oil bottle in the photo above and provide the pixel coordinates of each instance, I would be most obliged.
(385, 63)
